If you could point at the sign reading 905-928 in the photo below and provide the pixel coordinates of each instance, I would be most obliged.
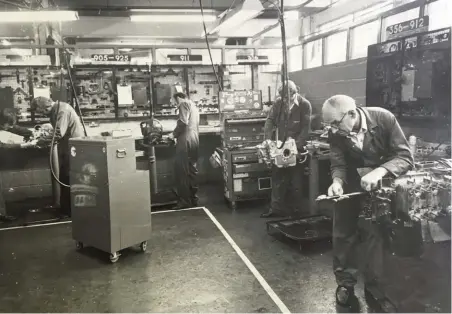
(407, 28)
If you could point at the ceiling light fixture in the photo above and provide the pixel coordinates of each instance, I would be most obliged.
(171, 11)
(170, 18)
(37, 16)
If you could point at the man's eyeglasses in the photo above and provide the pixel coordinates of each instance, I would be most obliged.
(335, 126)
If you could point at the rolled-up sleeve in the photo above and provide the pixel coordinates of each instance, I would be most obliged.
(400, 156)
(337, 161)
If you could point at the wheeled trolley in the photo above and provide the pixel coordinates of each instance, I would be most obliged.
(110, 198)
(244, 177)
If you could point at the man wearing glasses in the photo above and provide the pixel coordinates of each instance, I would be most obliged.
(359, 138)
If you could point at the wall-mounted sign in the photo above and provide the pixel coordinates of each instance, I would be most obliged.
(407, 28)
(390, 47)
(184, 59)
(247, 59)
(410, 43)
(111, 58)
(435, 37)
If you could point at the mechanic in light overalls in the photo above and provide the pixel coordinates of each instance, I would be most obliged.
(186, 135)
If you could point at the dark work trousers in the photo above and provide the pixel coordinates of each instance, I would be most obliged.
(287, 196)
(346, 241)
(349, 255)
(186, 172)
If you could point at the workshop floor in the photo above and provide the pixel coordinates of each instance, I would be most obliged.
(190, 266)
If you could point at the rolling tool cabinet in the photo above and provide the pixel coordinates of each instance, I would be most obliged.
(242, 129)
(110, 198)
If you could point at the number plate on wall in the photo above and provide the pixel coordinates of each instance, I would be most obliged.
(407, 28)
(184, 59)
(110, 58)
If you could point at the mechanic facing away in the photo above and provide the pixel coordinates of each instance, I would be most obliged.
(186, 135)
(371, 138)
(288, 181)
(66, 124)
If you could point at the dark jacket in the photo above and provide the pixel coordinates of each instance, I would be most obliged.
(384, 146)
(298, 123)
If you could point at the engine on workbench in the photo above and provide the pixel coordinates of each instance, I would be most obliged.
(406, 229)
(420, 198)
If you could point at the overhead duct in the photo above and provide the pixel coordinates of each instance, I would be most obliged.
(245, 10)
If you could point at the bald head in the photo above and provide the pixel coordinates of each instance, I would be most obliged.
(335, 107)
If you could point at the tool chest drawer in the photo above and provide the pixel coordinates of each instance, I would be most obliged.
(246, 168)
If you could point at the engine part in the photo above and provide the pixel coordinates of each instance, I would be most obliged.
(272, 152)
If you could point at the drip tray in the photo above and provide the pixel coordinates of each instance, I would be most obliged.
(311, 228)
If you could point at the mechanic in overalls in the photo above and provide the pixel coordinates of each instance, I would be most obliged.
(67, 124)
(289, 119)
(359, 138)
(186, 135)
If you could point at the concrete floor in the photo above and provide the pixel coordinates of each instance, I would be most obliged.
(189, 267)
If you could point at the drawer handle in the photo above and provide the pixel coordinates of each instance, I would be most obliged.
(121, 153)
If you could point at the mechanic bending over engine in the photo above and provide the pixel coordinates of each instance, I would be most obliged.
(288, 181)
(359, 138)
(186, 135)
(8, 122)
(66, 124)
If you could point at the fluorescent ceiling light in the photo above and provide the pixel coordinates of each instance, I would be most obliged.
(181, 18)
(248, 10)
(37, 16)
(169, 11)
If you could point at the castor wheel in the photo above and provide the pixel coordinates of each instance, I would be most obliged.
(79, 245)
(114, 257)
(143, 246)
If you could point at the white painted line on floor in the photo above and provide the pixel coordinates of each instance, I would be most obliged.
(70, 221)
(37, 225)
(283, 308)
(175, 210)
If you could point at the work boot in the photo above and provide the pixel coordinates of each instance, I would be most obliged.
(344, 295)
(271, 214)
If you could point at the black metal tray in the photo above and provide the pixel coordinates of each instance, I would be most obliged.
(310, 228)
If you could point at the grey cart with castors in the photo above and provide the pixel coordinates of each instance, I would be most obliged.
(110, 198)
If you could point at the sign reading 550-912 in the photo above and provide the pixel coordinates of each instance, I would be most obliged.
(407, 28)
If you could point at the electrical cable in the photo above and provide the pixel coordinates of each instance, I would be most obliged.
(52, 145)
(208, 45)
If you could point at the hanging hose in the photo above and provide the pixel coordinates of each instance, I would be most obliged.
(52, 145)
